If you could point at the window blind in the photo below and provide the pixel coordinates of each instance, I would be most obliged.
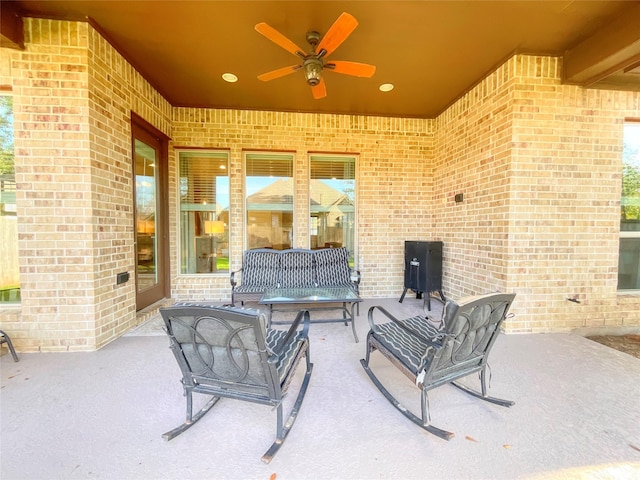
(199, 172)
(268, 165)
(328, 167)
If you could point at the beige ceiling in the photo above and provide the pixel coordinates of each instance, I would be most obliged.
(432, 51)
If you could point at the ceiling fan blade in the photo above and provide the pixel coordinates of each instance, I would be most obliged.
(337, 33)
(352, 68)
(279, 39)
(320, 90)
(281, 72)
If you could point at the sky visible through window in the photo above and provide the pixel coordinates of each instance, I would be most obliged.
(632, 139)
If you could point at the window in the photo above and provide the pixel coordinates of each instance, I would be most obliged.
(332, 202)
(204, 211)
(9, 270)
(269, 200)
(629, 258)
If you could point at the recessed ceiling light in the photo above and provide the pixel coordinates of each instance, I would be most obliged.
(386, 87)
(229, 77)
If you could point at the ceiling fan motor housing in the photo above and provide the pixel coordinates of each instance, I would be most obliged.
(313, 38)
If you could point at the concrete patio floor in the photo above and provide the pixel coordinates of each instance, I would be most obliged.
(101, 415)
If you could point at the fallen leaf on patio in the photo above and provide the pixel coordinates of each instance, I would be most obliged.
(506, 446)
(471, 439)
(272, 477)
(634, 447)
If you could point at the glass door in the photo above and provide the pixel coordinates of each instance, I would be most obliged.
(149, 195)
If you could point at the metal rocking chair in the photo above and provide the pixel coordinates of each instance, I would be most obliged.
(433, 355)
(228, 352)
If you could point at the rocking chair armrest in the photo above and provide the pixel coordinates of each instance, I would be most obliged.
(302, 314)
(429, 341)
(429, 316)
(372, 323)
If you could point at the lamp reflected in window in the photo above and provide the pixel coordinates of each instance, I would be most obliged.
(212, 228)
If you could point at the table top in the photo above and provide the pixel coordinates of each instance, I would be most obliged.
(310, 295)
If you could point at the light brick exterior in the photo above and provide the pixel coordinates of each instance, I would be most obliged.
(393, 182)
(540, 166)
(538, 162)
(73, 97)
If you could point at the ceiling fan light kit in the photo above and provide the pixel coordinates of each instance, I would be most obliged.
(312, 70)
(315, 62)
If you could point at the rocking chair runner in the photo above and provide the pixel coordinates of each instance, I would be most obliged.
(433, 355)
(228, 352)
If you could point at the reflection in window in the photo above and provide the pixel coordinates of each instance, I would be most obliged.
(269, 200)
(204, 211)
(9, 270)
(332, 202)
(146, 199)
(629, 259)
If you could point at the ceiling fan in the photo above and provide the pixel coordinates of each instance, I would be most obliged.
(315, 62)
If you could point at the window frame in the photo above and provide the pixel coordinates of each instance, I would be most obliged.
(282, 155)
(355, 159)
(184, 270)
(625, 234)
(16, 302)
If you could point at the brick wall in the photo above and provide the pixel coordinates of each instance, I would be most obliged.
(538, 163)
(51, 112)
(540, 167)
(394, 183)
(473, 158)
(72, 100)
(115, 90)
(566, 163)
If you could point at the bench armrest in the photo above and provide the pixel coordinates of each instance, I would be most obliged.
(355, 275)
(233, 280)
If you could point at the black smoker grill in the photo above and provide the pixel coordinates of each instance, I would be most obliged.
(423, 269)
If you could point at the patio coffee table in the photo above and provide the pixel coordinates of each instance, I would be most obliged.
(318, 295)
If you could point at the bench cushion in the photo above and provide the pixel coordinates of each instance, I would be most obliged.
(297, 270)
(332, 267)
(405, 346)
(260, 269)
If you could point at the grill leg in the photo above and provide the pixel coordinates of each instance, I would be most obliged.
(404, 292)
